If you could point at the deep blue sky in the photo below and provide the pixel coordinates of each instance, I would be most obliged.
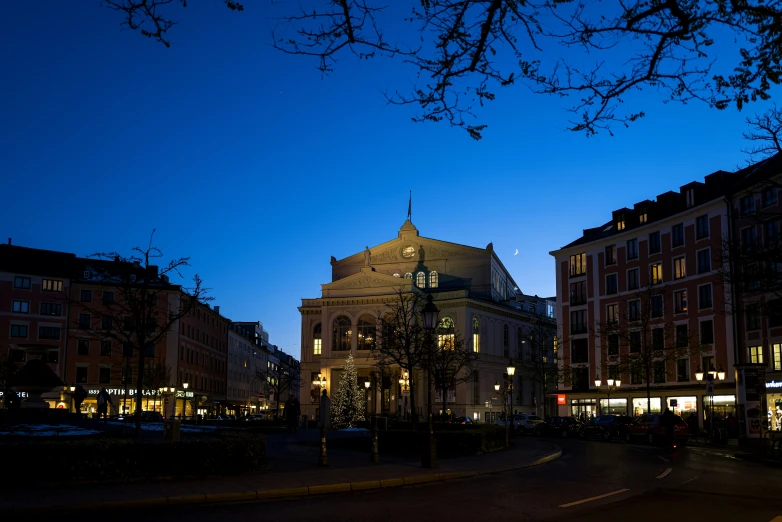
(252, 164)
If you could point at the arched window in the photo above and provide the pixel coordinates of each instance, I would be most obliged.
(342, 334)
(505, 339)
(408, 275)
(317, 340)
(433, 280)
(367, 332)
(397, 275)
(476, 335)
(445, 335)
(420, 280)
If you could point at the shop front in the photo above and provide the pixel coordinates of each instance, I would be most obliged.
(643, 405)
(613, 406)
(774, 402)
(683, 406)
(583, 409)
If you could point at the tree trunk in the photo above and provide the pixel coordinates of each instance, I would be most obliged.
(139, 391)
(648, 393)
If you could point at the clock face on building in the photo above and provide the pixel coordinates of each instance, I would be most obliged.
(408, 251)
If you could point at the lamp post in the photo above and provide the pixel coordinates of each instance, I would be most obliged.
(366, 398)
(320, 382)
(430, 315)
(711, 376)
(166, 392)
(69, 391)
(404, 389)
(511, 371)
(611, 385)
(184, 400)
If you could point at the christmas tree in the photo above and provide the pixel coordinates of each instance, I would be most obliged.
(347, 405)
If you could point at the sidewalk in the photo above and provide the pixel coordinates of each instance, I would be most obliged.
(292, 472)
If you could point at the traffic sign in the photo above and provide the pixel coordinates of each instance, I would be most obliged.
(710, 388)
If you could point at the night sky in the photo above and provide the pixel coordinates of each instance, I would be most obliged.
(251, 163)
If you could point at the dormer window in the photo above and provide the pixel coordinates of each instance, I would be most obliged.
(690, 195)
(643, 216)
(620, 222)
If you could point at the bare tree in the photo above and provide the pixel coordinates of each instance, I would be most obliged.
(449, 361)
(156, 375)
(278, 378)
(639, 342)
(402, 340)
(536, 357)
(765, 135)
(463, 51)
(135, 309)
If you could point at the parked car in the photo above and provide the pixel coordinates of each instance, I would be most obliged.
(559, 427)
(522, 422)
(461, 420)
(649, 427)
(606, 427)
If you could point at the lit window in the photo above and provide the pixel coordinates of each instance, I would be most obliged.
(317, 340)
(657, 273)
(613, 313)
(397, 275)
(680, 301)
(342, 334)
(476, 335)
(51, 285)
(578, 264)
(777, 352)
(679, 268)
(445, 333)
(643, 217)
(433, 280)
(408, 275)
(366, 332)
(755, 354)
(420, 280)
(620, 222)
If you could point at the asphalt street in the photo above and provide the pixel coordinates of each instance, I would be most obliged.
(591, 481)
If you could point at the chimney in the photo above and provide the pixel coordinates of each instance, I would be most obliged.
(9, 241)
(217, 310)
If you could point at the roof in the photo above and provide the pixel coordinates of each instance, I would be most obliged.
(34, 261)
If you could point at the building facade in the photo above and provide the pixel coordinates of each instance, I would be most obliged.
(473, 291)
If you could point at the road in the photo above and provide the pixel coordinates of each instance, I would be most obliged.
(591, 481)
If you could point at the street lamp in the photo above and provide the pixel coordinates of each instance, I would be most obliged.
(711, 376)
(404, 389)
(430, 315)
(366, 398)
(511, 370)
(167, 391)
(184, 399)
(611, 385)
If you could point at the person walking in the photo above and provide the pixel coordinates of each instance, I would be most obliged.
(668, 421)
(104, 399)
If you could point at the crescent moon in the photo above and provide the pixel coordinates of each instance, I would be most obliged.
(517, 252)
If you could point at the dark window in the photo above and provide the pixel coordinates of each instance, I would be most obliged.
(108, 297)
(633, 279)
(701, 227)
(658, 339)
(632, 249)
(105, 348)
(104, 375)
(751, 277)
(611, 284)
(129, 323)
(707, 332)
(21, 307)
(22, 282)
(578, 321)
(579, 350)
(704, 260)
(769, 196)
(580, 379)
(149, 350)
(682, 336)
(83, 347)
(774, 312)
(635, 341)
(106, 322)
(127, 350)
(53, 357)
(654, 242)
(18, 330)
(657, 306)
(613, 344)
(677, 235)
(747, 204)
(772, 230)
(682, 370)
(634, 310)
(659, 371)
(578, 294)
(753, 317)
(613, 372)
(86, 296)
(610, 255)
(636, 374)
(578, 264)
(48, 332)
(16, 355)
(708, 363)
(748, 239)
(680, 301)
(84, 321)
(51, 309)
(81, 374)
(704, 296)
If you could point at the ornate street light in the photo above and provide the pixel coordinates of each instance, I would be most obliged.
(430, 315)
(184, 399)
(698, 374)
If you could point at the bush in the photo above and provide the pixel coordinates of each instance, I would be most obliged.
(107, 459)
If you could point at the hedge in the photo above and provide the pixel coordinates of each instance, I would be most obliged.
(451, 443)
(111, 459)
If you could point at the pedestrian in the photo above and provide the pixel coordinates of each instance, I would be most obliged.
(78, 397)
(668, 420)
(297, 410)
(104, 399)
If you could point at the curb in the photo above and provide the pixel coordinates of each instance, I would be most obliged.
(269, 494)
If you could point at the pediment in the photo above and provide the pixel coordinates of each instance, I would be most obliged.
(374, 282)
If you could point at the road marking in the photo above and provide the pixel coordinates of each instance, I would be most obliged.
(662, 458)
(590, 499)
(664, 473)
(690, 480)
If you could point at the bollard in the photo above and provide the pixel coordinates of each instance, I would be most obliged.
(375, 457)
(323, 459)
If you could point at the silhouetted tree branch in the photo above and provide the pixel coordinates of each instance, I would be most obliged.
(765, 135)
